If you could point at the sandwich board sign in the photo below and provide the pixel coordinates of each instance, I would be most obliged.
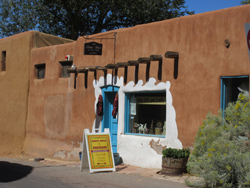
(97, 152)
(247, 31)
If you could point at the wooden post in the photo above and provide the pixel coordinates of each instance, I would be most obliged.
(175, 55)
(159, 59)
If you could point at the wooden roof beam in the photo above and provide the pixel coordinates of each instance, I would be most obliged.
(156, 57)
(159, 59)
(122, 64)
(101, 68)
(82, 70)
(171, 54)
(133, 63)
(71, 70)
(92, 68)
(175, 56)
(111, 66)
(144, 60)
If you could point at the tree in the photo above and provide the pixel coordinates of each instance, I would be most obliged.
(17, 16)
(245, 2)
(72, 18)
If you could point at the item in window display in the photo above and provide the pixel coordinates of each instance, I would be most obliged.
(135, 127)
(164, 128)
(158, 130)
(145, 130)
(141, 128)
(133, 109)
(151, 131)
(159, 124)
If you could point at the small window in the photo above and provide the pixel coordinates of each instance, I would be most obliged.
(3, 61)
(40, 71)
(65, 65)
(231, 87)
(146, 113)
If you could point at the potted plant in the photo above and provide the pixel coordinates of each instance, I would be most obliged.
(174, 161)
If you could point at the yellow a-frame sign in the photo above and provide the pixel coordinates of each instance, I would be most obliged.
(97, 152)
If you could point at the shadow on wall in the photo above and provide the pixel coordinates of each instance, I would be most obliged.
(12, 171)
(125, 65)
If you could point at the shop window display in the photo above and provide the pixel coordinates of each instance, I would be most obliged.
(146, 113)
(231, 87)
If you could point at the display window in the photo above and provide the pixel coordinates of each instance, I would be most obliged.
(231, 87)
(145, 113)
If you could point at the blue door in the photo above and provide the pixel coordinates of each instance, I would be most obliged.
(110, 121)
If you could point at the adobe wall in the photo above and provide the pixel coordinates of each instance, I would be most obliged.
(203, 58)
(14, 87)
(58, 113)
(50, 110)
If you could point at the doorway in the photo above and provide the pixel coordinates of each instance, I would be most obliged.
(110, 121)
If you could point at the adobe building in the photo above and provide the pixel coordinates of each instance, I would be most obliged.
(166, 76)
(15, 54)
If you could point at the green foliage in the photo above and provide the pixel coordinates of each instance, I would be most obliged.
(221, 155)
(17, 16)
(73, 18)
(245, 2)
(176, 153)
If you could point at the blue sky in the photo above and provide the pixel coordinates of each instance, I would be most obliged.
(200, 6)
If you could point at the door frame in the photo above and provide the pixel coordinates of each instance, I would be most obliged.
(105, 91)
(107, 116)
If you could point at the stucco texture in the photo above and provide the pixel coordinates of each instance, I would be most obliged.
(57, 113)
(203, 59)
(14, 86)
(14, 92)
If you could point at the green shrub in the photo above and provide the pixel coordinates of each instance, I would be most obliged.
(221, 155)
(176, 153)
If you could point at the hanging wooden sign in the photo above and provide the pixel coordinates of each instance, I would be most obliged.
(92, 48)
(97, 152)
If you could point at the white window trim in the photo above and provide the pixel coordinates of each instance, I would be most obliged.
(171, 137)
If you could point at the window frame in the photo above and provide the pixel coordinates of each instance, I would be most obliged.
(39, 67)
(3, 61)
(223, 89)
(127, 113)
(65, 65)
